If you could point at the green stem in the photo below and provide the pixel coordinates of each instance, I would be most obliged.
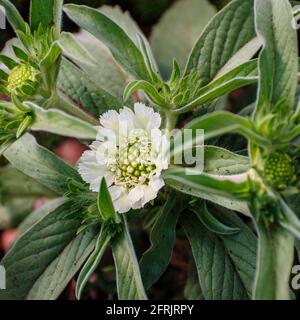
(274, 263)
(171, 119)
(62, 102)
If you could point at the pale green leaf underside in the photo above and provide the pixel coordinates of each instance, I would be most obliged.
(278, 62)
(40, 164)
(129, 280)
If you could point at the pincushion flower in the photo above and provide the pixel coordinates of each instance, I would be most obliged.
(130, 153)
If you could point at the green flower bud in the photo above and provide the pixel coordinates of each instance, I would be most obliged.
(22, 80)
(279, 170)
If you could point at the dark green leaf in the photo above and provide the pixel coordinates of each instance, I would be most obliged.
(121, 46)
(105, 204)
(39, 214)
(10, 63)
(48, 14)
(210, 222)
(225, 264)
(192, 290)
(82, 90)
(46, 257)
(156, 259)
(226, 34)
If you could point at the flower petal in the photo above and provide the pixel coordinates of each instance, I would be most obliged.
(91, 171)
(146, 118)
(122, 204)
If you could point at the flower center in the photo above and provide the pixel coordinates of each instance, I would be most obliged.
(279, 170)
(19, 76)
(134, 165)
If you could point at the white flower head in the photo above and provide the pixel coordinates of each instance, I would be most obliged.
(130, 152)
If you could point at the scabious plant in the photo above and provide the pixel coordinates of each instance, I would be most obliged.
(105, 87)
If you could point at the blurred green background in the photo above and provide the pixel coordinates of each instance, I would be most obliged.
(145, 12)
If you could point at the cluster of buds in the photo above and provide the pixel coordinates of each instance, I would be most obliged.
(34, 67)
(22, 78)
(183, 90)
(279, 170)
(133, 165)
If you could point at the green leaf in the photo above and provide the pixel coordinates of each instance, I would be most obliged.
(39, 214)
(290, 220)
(149, 89)
(95, 61)
(92, 262)
(9, 63)
(274, 263)
(222, 122)
(49, 14)
(243, 75)
(223, 162)
(61, 123)
(121, 46)
(40, 164)
(14, 183)
(225, 264)
(46, 257)
(148, 58)
(224, 201)
(192, 290)
(77, 85)
(92, 56)
(210, 222)
(105, 204)
(23, 126)
(129, 280)
(13, 16)
(278, 61)
(177, 31)
(207, 183)
(227, 33)
(156, 259)
(19, 53)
